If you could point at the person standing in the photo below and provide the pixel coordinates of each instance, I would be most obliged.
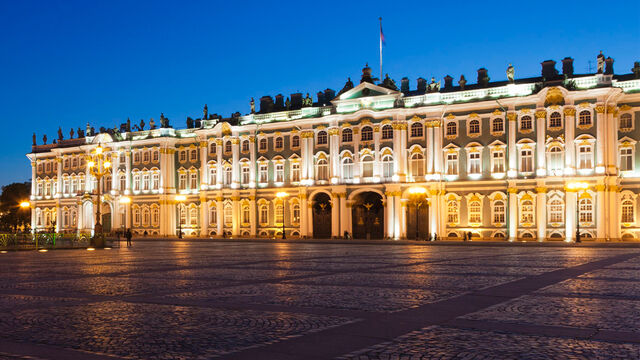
(129, 235)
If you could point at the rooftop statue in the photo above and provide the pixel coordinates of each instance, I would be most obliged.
(434, 86)
(142, 124)
(307, 101)
(347, 86)
(253, 106)
(60, 137)
(88, 132)
(600, 62)
(33, 138)
(287, 103)
(389, 83)
(164, 122)
(44, 139)
(80, 133)
(152, 124)
(71, 134)
(510, 73)
(462, 82)
(128, 125)
(366, 75)
(205, 112)
(636, 69)
(189, 122)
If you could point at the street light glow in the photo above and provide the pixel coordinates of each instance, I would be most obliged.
(282, 194)
(125, 200)
(25, 204)
(99, 150)
(107, 164)
(417, 190)
(91, 164)
(181, 198)
(578, 185)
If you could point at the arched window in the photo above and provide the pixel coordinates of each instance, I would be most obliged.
(584, 118)
(213, 214)
(155, 216)
(146, 218)
(526, 212)
(452, 212)
(366, 134)
(586, 210)
(555, 120)
(387, 166)
(212, 148)
(474, 127)
(322, 138)
(347, 168)
(452, 128)
(136, 216)
(497, 125)
(155, 156)
(245, 146)
(145, 156)
(417, 165)
(264, 214)
(193, 216)
(245, 175)
(387, 132)
(279, 216)
(367, 166)
(555, 160)
(627, 211)
(475, 212)
(228, 146)
(626, 122)
(295, 141)
(295, 214)
(347, 135)
(556, 211)
(417, 129)
(322, 170)
(228, 175)
(262, 145)
(228, 215)
(498, 212)
(279, 142)
(245, 214)
(526, 123)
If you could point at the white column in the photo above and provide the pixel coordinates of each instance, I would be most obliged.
(602, 226)
(541, 209)
(513, 214)
(570, 214)
(334, 154)
(513, 158)
(600, 139)
(612, 141)
(304, 160)
(343, 213)
(204, 215)
(569, 136)
(235, 175)
(377, 165)
(437, 149)
(304, 214)
(114, 174)
(204, 169)
(614, 213)
(235, 230)
(356, 154)
(397, 215)
(219, 168)
(335, 215)
(388, 215)
(220, 215)
(252, 216)
(429, 146)
(33, 186)
(310, 219)
(253, 158)
(541, 120)
(127, 174)
(310, 154)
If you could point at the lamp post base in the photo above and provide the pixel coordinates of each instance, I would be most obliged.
(98, 236)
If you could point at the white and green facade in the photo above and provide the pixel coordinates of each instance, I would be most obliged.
(495, 161)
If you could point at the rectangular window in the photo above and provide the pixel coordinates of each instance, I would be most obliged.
(155, 180)
(626, 159)
(136, 183)
(228, 175)
(474, 163)
(295, 172)
(452, 164)
(145, 182)
(245, 175)
(585, 157)
(182, 183)
(279, 172)
(526, 161)
(263, 173)
(498, 162)
(193, 180)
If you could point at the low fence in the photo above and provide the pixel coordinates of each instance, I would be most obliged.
(44, 241)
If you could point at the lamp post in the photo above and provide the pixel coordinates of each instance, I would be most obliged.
(180, 199)
(283, 195)
(418, 195)
(99, 165)
(577, 186)
(23, 205)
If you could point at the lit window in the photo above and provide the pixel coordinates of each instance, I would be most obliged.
(155, 216)
(475, 212)
(295, 214)
(279, 172)
(264, 214)
(526, 123)
(366, 134)
(245, 214)
(295, 172)
(146, 156)
(387, 166)
(452, 128)
(387, 132)
(497, 125)
(627, 211)
(263, 172)
(498, 212)
(626, 159)
(626, 122)
(497, 156)
(452, 164)
(183, 156)
(452, 212)
(322, 138)
(156, 156)
(417, 165)
(155, 180)
(228, 175)
(555, 120)
(322, 169)
(474, 127)
(245, 175)
(584, 118)
(213, 214)
(474, 163)
(585, 157)
(193, 180)
(526, 212)
(586, 211)
(279, 214)
(526, 160)
(228, 147)
(417, 130)
(347, 168)
(182, 183)
(193, 216)
(228, 215)
(347, 135)
(555, 160)
(556, 211)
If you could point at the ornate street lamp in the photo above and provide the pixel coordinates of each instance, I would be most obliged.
(23, 205)
(180, 199)
(99, 165)
(577, 186)
(419, 197)
(282, 195)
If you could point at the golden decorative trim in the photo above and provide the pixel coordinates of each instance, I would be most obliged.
(625, 107)
(541, 114)
(512, 116)
(569, 111)
(512, 190)
(600, 109)
(541, 189)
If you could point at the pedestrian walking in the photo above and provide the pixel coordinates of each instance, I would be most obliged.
(129, 235)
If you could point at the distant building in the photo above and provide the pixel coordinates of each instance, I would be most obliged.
(497, 159)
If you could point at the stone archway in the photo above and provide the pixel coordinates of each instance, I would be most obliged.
(105, 213)
(321, 216)
(367, 216)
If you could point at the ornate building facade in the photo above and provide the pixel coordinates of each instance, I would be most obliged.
(494, 159)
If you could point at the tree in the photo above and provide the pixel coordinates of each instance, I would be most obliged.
(11, 215)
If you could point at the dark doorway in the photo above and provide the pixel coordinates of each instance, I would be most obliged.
(322, 216)
(417, 221)
(368, 216)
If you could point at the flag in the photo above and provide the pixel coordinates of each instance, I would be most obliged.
(382, 40)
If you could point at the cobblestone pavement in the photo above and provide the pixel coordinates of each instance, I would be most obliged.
(260, 300)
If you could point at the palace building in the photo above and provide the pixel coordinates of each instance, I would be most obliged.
(518, 159)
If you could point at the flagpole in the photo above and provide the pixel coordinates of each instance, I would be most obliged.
(380, 19)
